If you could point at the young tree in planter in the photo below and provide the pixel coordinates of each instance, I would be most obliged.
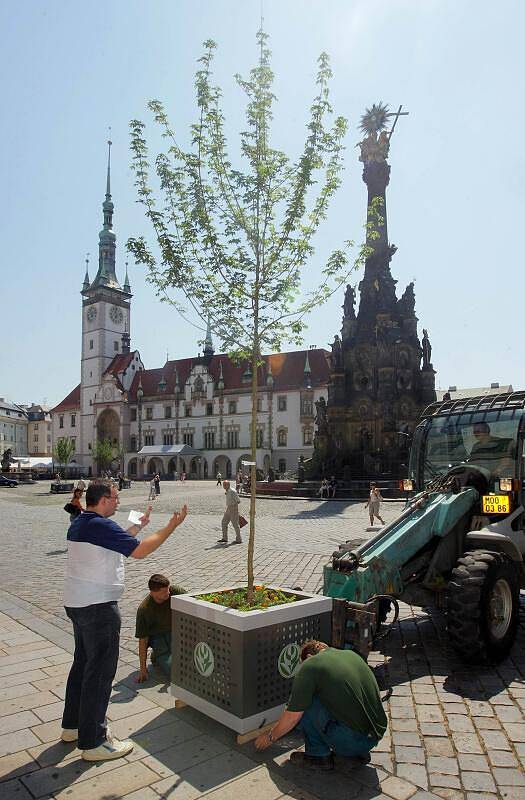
(63, 451)
(234, 240)
(103, 453)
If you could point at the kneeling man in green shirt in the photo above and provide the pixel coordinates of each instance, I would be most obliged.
(335, 700)
(153, 625)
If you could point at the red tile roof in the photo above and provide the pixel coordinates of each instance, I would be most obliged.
(71, 401)
(287, 370)
(120, 363)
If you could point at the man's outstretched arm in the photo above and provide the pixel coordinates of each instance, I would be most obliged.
(151, 543)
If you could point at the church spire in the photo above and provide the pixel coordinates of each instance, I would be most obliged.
(127, 287)
(208, 342)
(106, 239)
(86, 283)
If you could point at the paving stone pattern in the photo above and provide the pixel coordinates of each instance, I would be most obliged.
(455, 732)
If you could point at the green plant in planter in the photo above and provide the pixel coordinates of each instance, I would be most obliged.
(235, 236)
(262, 597)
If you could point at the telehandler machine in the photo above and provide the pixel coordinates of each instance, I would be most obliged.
(459, 544)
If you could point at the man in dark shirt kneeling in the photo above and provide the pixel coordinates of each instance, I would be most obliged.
(335, 700)
(153, 625)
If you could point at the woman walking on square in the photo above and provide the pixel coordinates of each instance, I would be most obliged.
(374, 503)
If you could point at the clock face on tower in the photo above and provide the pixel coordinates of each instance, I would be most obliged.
(92, 313)
(116, 315)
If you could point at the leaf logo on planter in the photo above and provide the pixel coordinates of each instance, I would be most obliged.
(203, 659)
(288, 661)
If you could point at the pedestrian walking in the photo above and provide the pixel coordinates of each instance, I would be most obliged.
(219, 479)
(238, 482)
(374, 504)
(94, 583)
(152, 490)
(75, 504)
(156, 481)
(231, 514)
(81, 484)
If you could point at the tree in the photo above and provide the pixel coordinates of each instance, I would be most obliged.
(103, 453)
(63, 451)
(234, 242)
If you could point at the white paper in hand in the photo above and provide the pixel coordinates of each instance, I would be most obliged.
(135, 517)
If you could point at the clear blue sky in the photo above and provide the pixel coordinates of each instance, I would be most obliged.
(455, 202)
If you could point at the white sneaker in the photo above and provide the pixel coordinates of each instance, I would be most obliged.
(69, 734)
(111, 748)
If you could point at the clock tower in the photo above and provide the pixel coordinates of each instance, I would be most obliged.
(105, 325)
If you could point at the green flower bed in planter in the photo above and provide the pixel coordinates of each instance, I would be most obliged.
(236, 666)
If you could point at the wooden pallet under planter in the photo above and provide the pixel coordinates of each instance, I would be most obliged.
(237, 666)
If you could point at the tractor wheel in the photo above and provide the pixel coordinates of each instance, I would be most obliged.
(483, 606)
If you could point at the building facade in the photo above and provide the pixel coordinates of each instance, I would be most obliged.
(39, 433)
(202, 402)
(13, 428)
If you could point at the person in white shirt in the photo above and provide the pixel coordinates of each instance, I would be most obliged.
(231, 514)
(94, 582)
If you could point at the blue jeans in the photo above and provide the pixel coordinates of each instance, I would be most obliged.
(161, 656)
(97, 631)
(323, 734)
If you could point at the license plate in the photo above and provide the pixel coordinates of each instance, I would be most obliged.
(496, 504)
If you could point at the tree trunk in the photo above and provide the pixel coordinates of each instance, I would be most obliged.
(253, 473)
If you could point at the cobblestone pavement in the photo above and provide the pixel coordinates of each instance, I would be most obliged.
(454, 732)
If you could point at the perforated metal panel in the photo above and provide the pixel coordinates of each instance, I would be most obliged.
(245, 679)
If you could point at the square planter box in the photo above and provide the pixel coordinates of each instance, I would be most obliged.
(237, 666)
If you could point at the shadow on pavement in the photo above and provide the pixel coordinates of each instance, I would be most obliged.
(328, 509)
(418, 650)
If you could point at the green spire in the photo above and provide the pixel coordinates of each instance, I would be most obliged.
(208, 342)
(106, 239)
(86, 283)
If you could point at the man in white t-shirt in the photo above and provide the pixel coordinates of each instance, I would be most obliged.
(94, 583)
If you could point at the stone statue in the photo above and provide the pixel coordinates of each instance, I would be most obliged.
(407, 303)
(337, 353)
(320, 418)
(349, 303)
(6, 460)
(374, 148)
(427, 350)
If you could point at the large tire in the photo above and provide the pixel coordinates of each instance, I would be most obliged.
(483, 606)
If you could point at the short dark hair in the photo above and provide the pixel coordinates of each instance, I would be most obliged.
(158, 581)
(96, 491)
(311, 648)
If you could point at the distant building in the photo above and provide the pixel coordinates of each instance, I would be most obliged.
(39, 431)
(192, 415)
(453, 393)
(13, 428)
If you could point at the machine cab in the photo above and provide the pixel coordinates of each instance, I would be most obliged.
(478, 439)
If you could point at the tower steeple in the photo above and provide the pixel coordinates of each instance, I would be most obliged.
(106, 239)
(86, 283)
(208, 342)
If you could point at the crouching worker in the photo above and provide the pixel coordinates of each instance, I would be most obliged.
(153, 625)
(335, 701)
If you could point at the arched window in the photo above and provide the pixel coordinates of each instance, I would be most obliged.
(282, 437)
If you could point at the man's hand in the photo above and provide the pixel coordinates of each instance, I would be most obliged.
(144, 520)
(142, 676)
(262, 742)
(178, 517)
